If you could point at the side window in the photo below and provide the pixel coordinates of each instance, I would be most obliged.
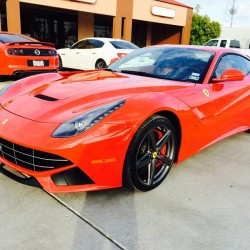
(241, 63)
(234, 44)
(223, 43)
(232, 61)
(224, 64)
(80, 45)
(93, 44)
(211, 43)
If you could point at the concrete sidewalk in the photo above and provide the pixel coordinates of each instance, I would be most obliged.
(203, 204)
(3, 84)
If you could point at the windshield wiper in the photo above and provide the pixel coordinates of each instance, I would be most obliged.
(141, 73)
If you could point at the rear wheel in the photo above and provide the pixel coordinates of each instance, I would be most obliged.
(100, 64)
(150, 155)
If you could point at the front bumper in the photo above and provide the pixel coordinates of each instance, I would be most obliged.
(95, 158)
(30, 181)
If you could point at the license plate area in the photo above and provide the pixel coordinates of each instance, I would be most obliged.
(38, 63)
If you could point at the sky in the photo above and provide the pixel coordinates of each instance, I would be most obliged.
(218, 10)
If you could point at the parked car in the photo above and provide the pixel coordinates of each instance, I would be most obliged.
(21, 55)
(93, 53)
(126, 124)
(228, 43)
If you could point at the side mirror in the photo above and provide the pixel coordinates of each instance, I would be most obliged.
(230, 75)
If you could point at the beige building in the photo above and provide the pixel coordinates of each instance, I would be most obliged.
(144, 22)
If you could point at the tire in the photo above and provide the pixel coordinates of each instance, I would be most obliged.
(150, 155)
(60, 64)
(100, 64)
(4, 78)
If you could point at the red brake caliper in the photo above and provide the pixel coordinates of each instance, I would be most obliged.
(163, 149)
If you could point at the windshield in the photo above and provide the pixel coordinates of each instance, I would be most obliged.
(166, 62)
(9, 38)
(123, 45)
(211, 43)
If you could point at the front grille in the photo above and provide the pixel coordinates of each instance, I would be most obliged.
(29, 158)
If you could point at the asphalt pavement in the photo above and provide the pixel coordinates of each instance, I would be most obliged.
(203, 204)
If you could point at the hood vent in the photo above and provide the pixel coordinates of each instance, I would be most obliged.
(46, 98)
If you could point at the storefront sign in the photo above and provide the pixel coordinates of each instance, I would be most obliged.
(85, 1)
(163, 12)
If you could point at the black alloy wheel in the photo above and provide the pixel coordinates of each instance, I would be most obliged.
(150, 155)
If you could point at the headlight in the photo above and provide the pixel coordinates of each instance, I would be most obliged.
(85, 121)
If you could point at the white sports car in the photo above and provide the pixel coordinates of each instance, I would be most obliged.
(93, 53)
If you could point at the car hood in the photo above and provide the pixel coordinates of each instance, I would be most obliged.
(60, 99)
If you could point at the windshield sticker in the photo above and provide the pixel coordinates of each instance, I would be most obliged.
(194, 76)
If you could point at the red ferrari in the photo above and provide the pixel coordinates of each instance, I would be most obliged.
(20, 55)
(125, 125)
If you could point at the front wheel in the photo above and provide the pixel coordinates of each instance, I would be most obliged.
(150, 155)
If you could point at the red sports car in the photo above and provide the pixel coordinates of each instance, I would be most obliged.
(20, 55)
(126, 124)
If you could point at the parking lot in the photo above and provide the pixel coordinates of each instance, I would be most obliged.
(203, 204)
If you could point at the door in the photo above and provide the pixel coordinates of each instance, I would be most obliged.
(83, 54)
(231, 99)
(73, 56)
(222, 107)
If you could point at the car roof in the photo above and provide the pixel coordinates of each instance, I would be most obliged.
(104, 39)
(200, 47)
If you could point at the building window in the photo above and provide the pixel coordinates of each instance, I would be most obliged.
(49, 25)
(123, 26)
(3, 19)
(103, 26)
(139, 33)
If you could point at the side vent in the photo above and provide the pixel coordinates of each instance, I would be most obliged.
(46, 98)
